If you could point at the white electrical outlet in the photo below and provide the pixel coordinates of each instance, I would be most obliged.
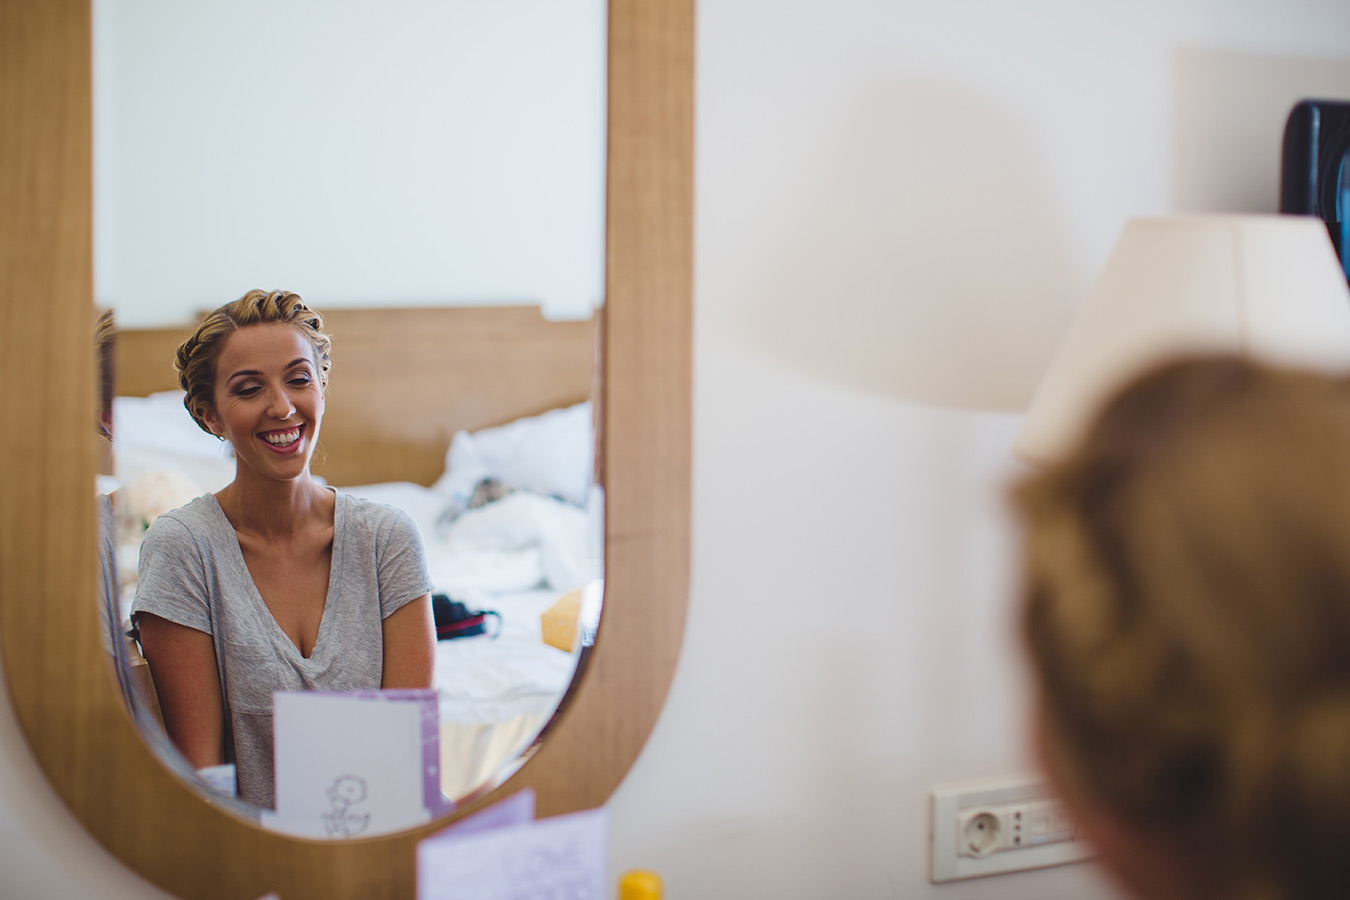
(1002, 827)
(1013, 826)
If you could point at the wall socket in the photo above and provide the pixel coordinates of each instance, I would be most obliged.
(1004, 826)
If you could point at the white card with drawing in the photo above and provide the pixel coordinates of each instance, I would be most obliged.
(350, 764)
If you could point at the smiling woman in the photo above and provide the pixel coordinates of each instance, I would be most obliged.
(275, 582)
(515, 544)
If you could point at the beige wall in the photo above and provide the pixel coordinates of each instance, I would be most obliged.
(898, 203)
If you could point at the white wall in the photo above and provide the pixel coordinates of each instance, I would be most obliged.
(898, 203)
(423, 152)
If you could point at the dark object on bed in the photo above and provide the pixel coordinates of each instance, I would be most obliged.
(489, 490)
(1314, 175)
(455, 620)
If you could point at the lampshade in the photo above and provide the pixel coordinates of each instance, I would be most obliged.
(1266, 287)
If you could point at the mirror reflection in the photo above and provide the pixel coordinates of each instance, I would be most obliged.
(463, 407)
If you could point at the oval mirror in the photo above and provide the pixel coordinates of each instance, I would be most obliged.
(55, 665)
(432, 183)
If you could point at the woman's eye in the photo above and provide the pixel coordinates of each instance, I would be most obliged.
(247, 390)
(300, 381)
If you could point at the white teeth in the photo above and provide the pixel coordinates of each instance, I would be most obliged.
(282, 438)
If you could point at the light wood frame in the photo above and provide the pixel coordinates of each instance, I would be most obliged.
(64, 698)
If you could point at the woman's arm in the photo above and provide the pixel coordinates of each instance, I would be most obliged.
(409, 646)
(183, 666)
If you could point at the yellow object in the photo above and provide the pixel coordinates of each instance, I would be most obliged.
(640, 884)
(558, 623)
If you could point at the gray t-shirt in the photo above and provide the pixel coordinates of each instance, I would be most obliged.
(192, 572)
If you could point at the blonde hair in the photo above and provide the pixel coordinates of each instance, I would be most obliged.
(105, 337)
(1186, 605)
(196, 359)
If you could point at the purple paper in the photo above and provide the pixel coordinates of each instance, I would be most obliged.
(516, 809)
(563, 856)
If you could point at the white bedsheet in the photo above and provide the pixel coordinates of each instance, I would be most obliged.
(487, 679)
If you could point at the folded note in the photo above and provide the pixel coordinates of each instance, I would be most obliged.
(517, 809)
(354, 764)
(560, 857)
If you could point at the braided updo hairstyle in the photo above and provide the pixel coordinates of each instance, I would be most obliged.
(1186, 606)
(196, 359)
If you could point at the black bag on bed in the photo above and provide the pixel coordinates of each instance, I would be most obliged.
(455, 620)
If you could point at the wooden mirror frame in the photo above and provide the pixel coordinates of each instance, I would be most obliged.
(59, 682)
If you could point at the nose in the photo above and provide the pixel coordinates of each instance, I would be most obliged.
(279, 405)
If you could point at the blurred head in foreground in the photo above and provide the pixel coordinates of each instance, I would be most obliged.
(1186, 606)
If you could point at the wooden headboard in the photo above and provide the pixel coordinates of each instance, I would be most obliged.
(405, 380)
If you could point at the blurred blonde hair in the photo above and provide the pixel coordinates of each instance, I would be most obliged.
(196, 359)
(1186, 605)
(105, 338)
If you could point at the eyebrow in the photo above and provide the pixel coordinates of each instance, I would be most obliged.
(298, 361)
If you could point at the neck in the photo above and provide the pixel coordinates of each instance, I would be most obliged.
(272, 508)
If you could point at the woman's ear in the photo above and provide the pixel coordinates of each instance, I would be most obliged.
(1144, 861)
(1147, 862)
(213, 423)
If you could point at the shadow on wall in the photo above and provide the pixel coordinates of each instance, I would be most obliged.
(921, 258)
(812, 801)
(1228, 117)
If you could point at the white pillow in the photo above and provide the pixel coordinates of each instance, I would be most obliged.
(549, 454)
(156, 434)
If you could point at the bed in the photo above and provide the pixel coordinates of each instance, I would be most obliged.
(476, 422)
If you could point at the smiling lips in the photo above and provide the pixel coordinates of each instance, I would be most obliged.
(284, 439)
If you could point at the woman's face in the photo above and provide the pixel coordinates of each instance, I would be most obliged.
(267, 400)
